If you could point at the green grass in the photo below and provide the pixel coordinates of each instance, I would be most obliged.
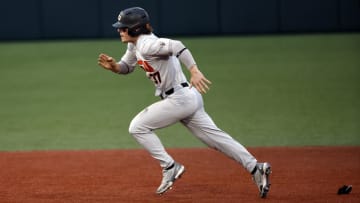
(267, 91)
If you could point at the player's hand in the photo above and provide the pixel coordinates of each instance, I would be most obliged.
(107, 62)
(198, 80)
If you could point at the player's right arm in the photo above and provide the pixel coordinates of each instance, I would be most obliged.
(124, 66)
(108, 63)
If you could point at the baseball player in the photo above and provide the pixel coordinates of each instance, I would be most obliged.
(181, 101)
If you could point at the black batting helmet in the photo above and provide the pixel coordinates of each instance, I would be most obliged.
(134, 19)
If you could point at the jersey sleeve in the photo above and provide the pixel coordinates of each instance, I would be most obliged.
(163, 47)
(129, 57)
(157, 47)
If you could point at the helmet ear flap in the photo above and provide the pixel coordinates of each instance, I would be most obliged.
(142, 29)
(134, 32)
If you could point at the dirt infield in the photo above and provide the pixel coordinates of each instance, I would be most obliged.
(310, 174)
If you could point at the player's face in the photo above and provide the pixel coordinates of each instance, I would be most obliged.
(124, 35)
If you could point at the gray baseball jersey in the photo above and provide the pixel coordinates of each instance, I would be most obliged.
(183, 104)
(153, 54)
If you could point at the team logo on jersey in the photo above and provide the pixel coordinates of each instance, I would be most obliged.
(150, 72)
(146, 66)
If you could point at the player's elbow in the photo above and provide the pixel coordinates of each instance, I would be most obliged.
(176, 47)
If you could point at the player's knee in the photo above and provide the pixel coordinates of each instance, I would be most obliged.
(132, 129)
(136, 128)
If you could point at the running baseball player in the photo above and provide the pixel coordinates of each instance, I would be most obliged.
(180, 101)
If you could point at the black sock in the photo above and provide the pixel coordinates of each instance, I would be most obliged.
(170, 167)
(253, 171)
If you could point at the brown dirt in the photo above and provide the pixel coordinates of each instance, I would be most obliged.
(310, 174)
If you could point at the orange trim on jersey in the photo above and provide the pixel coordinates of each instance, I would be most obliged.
(146, 66)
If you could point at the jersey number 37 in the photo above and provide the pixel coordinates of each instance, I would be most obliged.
(150, 71)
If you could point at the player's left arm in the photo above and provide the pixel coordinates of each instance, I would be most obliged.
(197, 79)
(168, 47)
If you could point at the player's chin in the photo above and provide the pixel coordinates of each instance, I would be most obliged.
(124, 39)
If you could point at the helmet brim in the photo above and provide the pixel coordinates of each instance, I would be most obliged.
(118, 25)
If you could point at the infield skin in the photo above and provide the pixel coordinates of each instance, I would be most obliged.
(309, 174)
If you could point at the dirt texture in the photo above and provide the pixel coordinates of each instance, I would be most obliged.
(300, 174)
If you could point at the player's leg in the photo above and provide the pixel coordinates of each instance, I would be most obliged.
(142, 129)
(203, 127)
(159, 115)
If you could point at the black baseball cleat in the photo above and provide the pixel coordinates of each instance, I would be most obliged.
(346, 189)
